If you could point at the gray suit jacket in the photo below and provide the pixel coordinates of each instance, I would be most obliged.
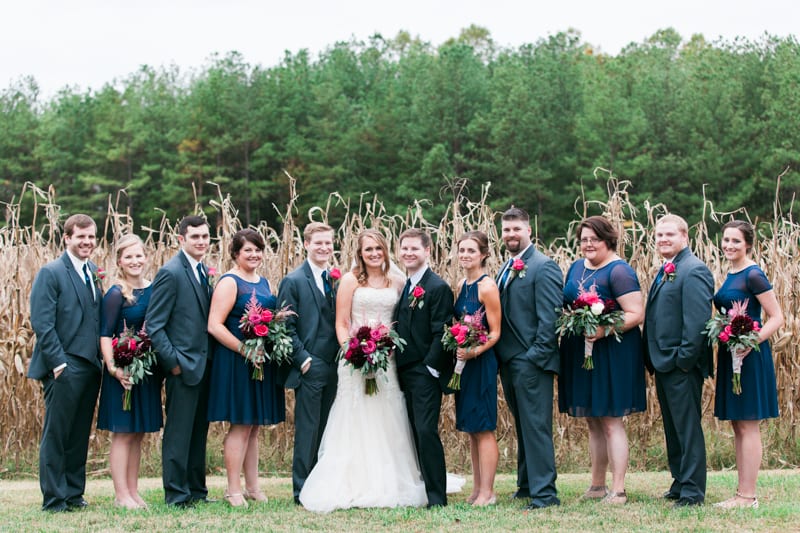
(313, 329)
(64, 317)
(675, 316)
(177, 320)
(529, 312)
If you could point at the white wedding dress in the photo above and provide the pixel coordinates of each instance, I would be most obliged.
(367, 456)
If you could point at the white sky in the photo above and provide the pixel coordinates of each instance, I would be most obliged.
(87, 43)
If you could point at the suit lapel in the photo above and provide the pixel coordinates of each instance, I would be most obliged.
(201, 293)
(78, 283)
(512, 276)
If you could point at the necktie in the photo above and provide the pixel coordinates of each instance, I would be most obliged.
(326, 283)
(504, 276)
(88, 280)
(406, 290)
(201, 275)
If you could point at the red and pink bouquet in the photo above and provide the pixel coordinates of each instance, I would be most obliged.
(266, 336)
(587, 313)
(134, 354)
(738, 332)
(468, 332)
(369, 349)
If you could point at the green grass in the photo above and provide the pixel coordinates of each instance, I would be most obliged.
(778, 493)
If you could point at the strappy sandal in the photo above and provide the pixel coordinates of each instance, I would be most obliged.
(235, 497)
(595, 492)
(616, 498)
(254, 496)
(750, 502)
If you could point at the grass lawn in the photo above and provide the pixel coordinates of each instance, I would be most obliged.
(778, 493)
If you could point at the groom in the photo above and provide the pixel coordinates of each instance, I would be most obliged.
(310, 291)
(530, 292)
(425, 306)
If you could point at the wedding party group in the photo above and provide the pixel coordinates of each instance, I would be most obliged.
(370, 350)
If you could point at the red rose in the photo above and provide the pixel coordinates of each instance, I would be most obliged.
(101, 274)
(266, 316)
(418, 292)
(261, 330)
(335, 274)
(669, 268)
(212, 271)
(518, 264)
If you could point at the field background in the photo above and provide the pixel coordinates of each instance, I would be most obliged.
(25, 248)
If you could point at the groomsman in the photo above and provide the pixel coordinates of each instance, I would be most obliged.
(310, 290)
(425, 306)
(177, 322)
(530, 292)
(678, 306)
(65, 315)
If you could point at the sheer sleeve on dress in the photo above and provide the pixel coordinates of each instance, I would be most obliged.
(112, 309)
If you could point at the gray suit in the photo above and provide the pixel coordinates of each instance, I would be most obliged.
(528, 352)
(66, 320)
(313, 335)
(177, 322)
(678, 352)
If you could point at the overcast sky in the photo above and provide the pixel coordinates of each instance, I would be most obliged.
(87, 43)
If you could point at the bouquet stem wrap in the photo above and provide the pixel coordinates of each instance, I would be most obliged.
(588, 346)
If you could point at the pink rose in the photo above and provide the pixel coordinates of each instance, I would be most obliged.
(482, 338)
(669, 268)
(518, 264)
(212, 271)
(266, 316)
(335, 274)
(261, 330)
(384, 330)
(101, 274)
(455, 329)
(132, 344)
(756, 327)
(724, 336)
(369, 346)
(460, 339)
(418, 292)
(728, 330)
(254, 318)
(354, 342)
(467, 319)
(114, 342)
(375, 335)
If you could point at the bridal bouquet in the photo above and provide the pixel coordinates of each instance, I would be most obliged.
(369, 349)
(266, 336)
(587, 313)
(738, 332)
(468, 332)
(134, 354)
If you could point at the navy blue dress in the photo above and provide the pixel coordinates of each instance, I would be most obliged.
(616, 385)
(759, 397)
(476, 402)
(234, 395)
(145, 413)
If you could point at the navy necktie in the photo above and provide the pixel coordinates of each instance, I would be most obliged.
(326, 283)
(504, 276)
(201, 275)
(88, 280)
(406, 289)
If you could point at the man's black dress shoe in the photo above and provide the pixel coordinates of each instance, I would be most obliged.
(671, 496)
(687, 502)
(187, 504)
(80, 503)
(63, 509)
(541, 505)
(521, 494)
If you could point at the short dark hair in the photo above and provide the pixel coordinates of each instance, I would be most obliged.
(603, 229)
(191, 220)
(78, 220)
(243, 236)
(515, 213)
(481, 239)
(416, 233)
(747, 230)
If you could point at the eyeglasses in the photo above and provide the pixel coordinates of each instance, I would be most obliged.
(591, 240)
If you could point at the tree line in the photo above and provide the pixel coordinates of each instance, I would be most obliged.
(684, 120)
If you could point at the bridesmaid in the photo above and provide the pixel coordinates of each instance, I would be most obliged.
(234, 396)
(759, 397)
(124, 305)
(476, 402)
(615, 387)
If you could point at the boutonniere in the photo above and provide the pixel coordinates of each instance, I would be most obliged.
(669, 271)
(98, 276)
(519, 268)
(212, 277)
(415, 299)
(335, 274)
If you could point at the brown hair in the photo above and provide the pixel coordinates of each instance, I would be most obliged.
(747, 230)
(602, 228)
(416, 233)
(360, 269)
(191, 220)
(78, 220)
(481, 239)
(244, 236)
(515, 213)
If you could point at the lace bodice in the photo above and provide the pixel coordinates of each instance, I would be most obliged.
(371, 306)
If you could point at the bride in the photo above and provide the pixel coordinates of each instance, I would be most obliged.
(367, 457)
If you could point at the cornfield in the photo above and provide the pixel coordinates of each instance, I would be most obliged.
(24, 249)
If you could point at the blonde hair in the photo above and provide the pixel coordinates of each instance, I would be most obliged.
(122, 244)
(681, 224)
(360, 268)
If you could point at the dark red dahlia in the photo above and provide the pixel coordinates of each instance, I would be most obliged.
(741, 325)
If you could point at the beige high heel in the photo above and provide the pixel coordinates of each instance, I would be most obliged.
(235, 499)
(254, 496)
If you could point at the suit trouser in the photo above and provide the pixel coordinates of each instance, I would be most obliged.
(183, 446)
(529, 394)
(679, 394)
(69, 408)
(424, 403)
(313, 400)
